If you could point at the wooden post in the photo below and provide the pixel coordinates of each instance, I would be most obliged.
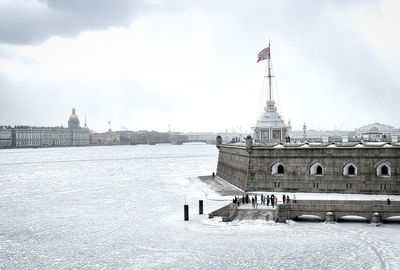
(186, 212)
(200, 207)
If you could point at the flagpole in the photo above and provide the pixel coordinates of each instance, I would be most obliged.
(269, 73)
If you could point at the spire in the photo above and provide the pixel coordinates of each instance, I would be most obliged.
(270, 126)
(85, 126)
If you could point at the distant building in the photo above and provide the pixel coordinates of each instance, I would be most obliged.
(5, 137)
(28, 136)
(376, 132)
(105, 138)
(371, 133)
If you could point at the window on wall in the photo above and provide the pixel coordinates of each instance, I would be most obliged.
(278, 169)
(316, 169)
(350, 170)
(383, 170)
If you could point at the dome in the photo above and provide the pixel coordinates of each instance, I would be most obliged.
(73, 121)
(270, 118)
(270, 126)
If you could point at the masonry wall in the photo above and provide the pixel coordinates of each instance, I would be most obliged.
(233, 166)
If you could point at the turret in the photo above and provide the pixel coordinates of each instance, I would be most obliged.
(218, 141)
(249, 143)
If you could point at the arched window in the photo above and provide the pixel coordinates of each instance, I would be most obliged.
(317, 169)
(383, 170)
(281, 170)
(278, 169)
(350, 169)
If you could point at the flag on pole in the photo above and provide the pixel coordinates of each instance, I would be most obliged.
(264, 54)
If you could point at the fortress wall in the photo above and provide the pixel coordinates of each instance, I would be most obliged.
(233, 166)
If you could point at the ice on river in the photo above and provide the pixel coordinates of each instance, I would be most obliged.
(121, 207)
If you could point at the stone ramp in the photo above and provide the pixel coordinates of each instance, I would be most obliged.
(253, 214)
(221, 186)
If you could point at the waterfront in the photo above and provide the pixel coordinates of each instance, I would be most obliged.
(122, 207)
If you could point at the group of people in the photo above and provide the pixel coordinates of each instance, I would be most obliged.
(265, 200)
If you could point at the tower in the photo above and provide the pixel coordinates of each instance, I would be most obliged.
(270, 126)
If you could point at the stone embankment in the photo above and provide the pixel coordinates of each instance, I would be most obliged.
(332, 210)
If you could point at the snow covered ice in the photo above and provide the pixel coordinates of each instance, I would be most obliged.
(121, 207)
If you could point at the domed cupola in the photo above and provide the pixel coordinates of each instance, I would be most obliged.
(73, 121)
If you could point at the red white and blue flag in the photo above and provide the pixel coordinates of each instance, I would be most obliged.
(264, 54)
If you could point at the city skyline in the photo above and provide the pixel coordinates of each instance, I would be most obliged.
(185, 66)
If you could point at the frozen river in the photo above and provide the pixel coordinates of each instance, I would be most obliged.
(121, 207)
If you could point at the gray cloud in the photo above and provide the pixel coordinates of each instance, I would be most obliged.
(38, 20)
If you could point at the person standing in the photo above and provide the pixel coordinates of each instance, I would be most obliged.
(287, 199)
(294, 198)
(283, 198)
(267, 200)
(276, 200)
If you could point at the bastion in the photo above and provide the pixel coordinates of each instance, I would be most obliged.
(321, 168)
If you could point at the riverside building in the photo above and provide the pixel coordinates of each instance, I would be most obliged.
(29, 136)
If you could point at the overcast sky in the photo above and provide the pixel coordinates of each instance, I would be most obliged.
(192, 64)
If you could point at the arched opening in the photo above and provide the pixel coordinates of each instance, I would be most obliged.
(352, 170)
(353, 219)
(383, 170)
(316, 169)
(319, 170)
(281, 170)
(278, 169)
(308, 218)
(394, 220)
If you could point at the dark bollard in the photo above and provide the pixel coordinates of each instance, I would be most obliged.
(186, 212)
(200, 207)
